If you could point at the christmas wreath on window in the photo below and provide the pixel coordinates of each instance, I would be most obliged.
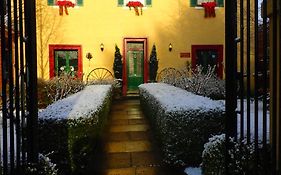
(136, 5)
(209, 9)
(64, 4)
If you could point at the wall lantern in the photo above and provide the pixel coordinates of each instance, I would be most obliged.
(89, 56)
(170, 47)
(102, 47)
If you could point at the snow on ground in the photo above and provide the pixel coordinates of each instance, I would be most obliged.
(252, 119)
(174, 99)
(193, 171)
(82, 104)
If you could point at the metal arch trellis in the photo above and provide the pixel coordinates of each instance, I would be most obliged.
(19, 85)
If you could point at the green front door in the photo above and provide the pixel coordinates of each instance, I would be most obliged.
(134, 57)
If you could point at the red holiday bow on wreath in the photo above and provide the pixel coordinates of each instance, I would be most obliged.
(64, 4)
(209, 9)
(135, 5)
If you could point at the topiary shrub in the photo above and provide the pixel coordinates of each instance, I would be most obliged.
(153, 64)
(182, 121)
(71, 128)
(117, 65)
(242, 158)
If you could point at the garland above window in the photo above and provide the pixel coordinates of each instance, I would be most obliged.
(64, 4)
(136, 5)
(209, 9)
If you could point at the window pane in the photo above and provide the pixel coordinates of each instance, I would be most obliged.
(120, 2)
(193, 3)
(50, 2)
(220, 3)
(79, 3)
(148, 2)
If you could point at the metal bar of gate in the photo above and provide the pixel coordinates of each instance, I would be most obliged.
(11, 89)
(248, 45)
(231, 73)
(279, 154)
(265, 74)
(256, 77)
(31, 61)
(17, 88)
(4, 84)
(274, 86)
(242, 87)
(22, 81)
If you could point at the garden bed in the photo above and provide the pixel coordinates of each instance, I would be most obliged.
(182, 121)
(71, 128)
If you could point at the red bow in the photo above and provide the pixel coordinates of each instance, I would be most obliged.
(209, 9)
(65, 4)
(135, 5)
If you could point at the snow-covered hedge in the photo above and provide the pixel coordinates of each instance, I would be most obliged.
(242, 157)
(71, 127)
(182, 121)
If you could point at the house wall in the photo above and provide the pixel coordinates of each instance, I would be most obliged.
(104, 22)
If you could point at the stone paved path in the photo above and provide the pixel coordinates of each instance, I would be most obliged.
(129, 148)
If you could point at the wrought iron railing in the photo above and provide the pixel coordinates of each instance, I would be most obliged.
(19, 85)
(252, 75)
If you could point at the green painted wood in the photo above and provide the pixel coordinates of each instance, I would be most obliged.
(79, 2)
(120, 2)
(134, 67)
(148, 2)
(50, 2)
(193, 3)
(220, 3)
(66, 59)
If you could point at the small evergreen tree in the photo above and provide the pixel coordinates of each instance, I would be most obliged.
(117, 65)
(153, 64)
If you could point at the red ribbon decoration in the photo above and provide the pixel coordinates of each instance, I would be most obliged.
(209, 9)
(135, 5)
(64, 4)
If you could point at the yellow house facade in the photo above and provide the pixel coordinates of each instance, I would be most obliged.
(180, 25)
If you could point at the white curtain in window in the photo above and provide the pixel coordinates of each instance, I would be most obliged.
(199, 2)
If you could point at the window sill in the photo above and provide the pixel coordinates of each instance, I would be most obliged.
(202, 8)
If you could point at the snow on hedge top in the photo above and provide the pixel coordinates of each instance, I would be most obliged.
(174, 99)
(82, 104)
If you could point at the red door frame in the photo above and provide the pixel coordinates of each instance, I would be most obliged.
(53, 47)
(219, 48)
(145, 62)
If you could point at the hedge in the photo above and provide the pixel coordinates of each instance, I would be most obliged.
(182, 121)
(71, 128)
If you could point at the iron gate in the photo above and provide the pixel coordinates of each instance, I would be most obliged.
(19, 85)
(253, 29)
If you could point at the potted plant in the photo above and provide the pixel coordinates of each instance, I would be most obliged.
(153, 64)
(117, 65)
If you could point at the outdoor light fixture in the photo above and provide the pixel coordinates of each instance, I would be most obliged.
(89, 56)
(101, 47)
(170, 47)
